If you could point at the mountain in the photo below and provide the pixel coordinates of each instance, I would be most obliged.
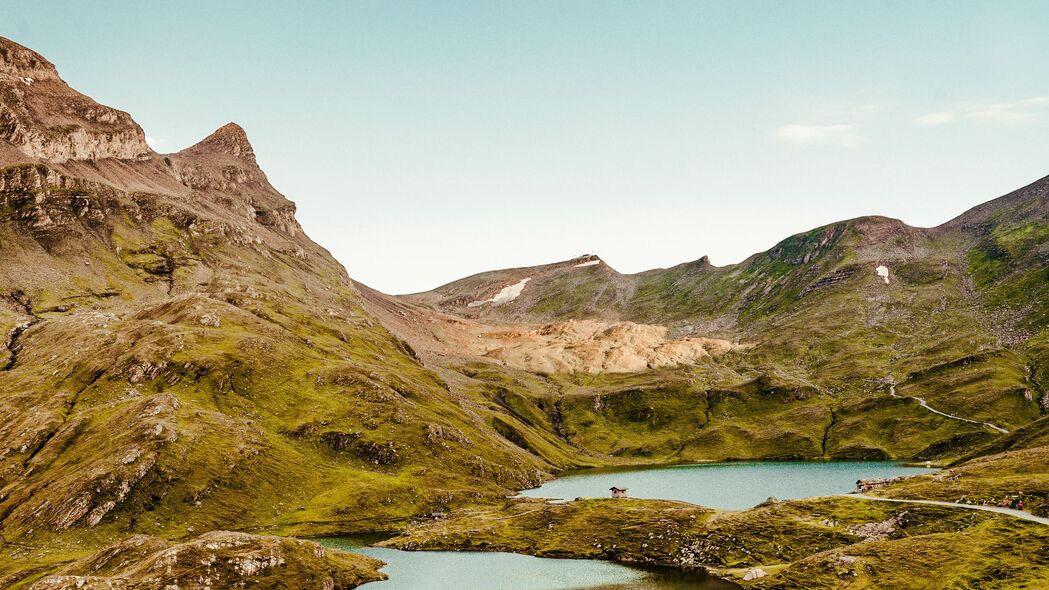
(178, 355)
(955, 314)
(180, 358)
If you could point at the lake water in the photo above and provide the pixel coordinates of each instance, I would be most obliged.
(452, 570)
(729, 486)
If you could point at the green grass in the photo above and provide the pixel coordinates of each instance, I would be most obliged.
(798, 540)
(300, 414)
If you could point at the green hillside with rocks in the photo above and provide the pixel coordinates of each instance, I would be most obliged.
(185, 372)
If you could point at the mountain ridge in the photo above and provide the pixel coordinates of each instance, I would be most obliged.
(874, 227)
(180, 357)
(880, 239)
(157, 278)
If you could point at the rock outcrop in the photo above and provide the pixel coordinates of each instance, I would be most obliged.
(588, 346)
(230, 139)
(218, 559)
(179, 356)
(50, 122)
(222, 166)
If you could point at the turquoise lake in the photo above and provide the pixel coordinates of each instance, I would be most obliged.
(728, 486)
(451, 570)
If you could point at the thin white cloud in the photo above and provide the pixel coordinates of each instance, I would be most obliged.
(936, 118)
(999, 112)
(838, 134)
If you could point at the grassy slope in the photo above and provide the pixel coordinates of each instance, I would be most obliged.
(217, 558)
(258, 394)
(828, 335)
(798, 541)
(184, 359)
(997, 554)
(1016, 465)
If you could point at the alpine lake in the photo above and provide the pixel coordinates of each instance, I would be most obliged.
(725, 486)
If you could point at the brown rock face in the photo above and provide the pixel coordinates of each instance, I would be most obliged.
(49, 121)
(230, 139)
(590, 346)
(16, 60)
(223, 167)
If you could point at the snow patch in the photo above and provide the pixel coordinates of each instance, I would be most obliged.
(883, 272)
(591, 263)
(506, 295)
(26, 81)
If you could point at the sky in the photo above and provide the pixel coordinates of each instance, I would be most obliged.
(426, 141)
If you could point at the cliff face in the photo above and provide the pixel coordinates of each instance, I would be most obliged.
(50, 122)
(223, 168)
(79, 185)
(176, 353)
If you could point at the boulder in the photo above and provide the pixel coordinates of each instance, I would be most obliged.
(754, 574)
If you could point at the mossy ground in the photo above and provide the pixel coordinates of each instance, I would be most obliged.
(215, 559)
(199, 373)
(998, 554)
(798, 542)
(1011, 467)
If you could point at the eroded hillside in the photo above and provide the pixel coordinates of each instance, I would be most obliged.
(179, 357)
(855, 320)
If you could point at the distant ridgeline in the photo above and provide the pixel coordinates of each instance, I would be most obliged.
(179, 357)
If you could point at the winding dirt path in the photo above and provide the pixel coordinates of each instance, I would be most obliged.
(1007, 511)
(924, 404)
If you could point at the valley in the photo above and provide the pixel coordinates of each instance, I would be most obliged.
(187, 378)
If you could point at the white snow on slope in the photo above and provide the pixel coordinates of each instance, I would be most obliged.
(26, 81)
(591, 263)
(506, 295)
(883, 272)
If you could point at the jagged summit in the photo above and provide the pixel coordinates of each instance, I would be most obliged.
(46, 120)
(17, 60)
(223, 165)
(230, 139)
(586, 258)
(177, 356)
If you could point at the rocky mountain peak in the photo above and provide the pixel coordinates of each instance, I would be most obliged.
(48, 121)
(588, 259)
(22, 62)
(230, 139)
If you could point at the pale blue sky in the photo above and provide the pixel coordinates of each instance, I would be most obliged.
(425, 141)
